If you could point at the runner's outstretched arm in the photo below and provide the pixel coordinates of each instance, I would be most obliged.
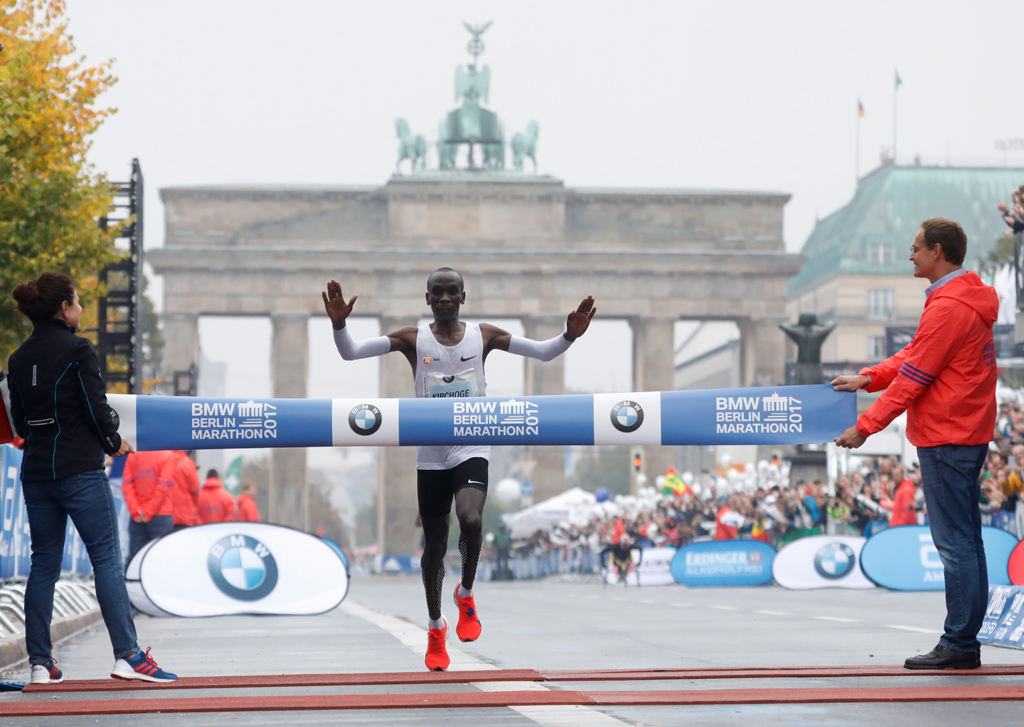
(575, 326)
(350, 349)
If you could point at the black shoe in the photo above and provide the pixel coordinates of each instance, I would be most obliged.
(942, 658)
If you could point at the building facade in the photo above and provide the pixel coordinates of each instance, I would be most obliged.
(858, 273)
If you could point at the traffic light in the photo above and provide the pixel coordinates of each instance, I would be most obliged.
(637, 463)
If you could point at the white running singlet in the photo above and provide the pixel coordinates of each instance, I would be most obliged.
(449, 371)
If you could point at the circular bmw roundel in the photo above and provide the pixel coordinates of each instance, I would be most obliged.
(835, 560)
(627, 416)
(364, 419)
(242, 567)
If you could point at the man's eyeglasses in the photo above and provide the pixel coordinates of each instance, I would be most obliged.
(914, 250)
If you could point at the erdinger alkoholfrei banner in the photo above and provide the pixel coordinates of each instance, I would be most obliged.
(778, 415)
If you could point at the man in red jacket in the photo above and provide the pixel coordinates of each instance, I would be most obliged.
(946, 381)
(247, 510)
(185, 493)
(904, 504)
(147, 486)
(215, 504)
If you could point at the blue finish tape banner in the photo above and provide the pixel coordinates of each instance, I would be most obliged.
(724, 563)
(906, 559)
(780, 415)
(1004, 618)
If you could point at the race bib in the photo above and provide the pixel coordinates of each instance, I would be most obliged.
(460, 385)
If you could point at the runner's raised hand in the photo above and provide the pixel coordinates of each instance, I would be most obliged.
(579, 320)
(334, 303)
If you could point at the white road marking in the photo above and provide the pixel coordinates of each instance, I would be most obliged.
(774, 613)
(415, 638)
(915, 629)
(837, 619)
(726, 608)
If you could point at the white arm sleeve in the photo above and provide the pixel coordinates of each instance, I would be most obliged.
(351, 350)
(543, 350)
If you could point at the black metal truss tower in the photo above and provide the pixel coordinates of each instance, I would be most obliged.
(119, 319)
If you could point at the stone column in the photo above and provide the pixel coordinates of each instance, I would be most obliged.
(289, 369)
(762, 353)
(545, 379)
(181, 342)
(654, 370)
(397, 509)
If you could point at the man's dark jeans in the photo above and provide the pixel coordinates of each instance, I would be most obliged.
(141, 533)
(87, 499)
(949, 476)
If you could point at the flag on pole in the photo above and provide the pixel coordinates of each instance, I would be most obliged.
(899, 81)
(233, 476)
(860, 109)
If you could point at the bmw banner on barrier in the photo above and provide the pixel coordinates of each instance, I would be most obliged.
(654, 568)
(906, 559)
(223, 569)
(821, 561)
(724, 563)
(1004, 617)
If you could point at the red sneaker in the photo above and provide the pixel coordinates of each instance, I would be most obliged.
(468, 628)
(437, 655)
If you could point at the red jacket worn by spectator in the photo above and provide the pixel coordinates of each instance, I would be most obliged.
(215, 504)
(185, 493)
(247, 510)
(727, 523)
(147, 484)
(904, 506)
(946, 376)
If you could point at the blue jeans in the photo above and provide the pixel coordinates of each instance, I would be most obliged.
(949, 476)
(141, 533)
(87, 499)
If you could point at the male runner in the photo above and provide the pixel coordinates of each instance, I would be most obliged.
(447, 358)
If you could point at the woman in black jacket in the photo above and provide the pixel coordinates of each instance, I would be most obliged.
(59, 407)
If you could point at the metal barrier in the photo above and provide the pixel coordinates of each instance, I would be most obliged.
(70, 599)
(559, 561)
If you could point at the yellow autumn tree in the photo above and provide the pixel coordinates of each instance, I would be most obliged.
(50, 197)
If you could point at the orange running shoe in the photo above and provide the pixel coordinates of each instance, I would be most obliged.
(468, 628)
(437, 655)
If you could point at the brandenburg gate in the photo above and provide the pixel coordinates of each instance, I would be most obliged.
(529, 247)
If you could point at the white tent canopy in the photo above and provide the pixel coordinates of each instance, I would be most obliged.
(575, 506)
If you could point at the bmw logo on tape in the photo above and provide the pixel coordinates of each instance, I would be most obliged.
(364, 419)
(834, 561)
(627, 416)
(242, 567)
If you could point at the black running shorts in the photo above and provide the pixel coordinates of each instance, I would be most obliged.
(436, 488)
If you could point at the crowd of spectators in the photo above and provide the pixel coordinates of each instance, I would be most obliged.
(876, 493)
(1013, 213)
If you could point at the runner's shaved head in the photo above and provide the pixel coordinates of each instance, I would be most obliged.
(445, 271)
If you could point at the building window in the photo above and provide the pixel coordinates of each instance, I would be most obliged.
(881, 305)
(876, 348)
(880, 254)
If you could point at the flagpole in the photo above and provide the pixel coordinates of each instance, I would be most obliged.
(895, 96)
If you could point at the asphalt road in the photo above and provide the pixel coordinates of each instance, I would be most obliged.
(555, 624)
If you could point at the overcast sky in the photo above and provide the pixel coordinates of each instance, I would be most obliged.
(739, 95)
